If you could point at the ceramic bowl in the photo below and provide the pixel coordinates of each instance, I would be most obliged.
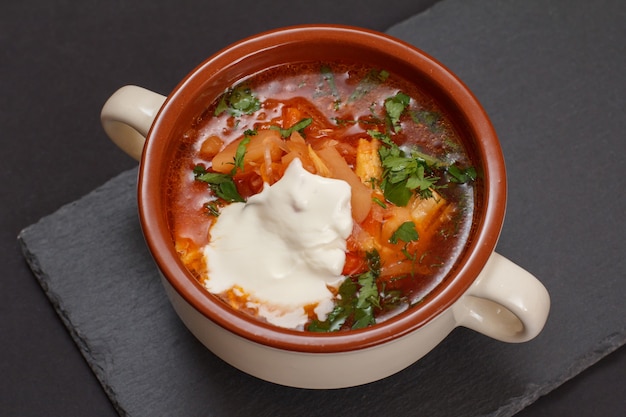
(485, 291)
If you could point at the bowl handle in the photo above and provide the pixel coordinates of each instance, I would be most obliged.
(128, 115)
(505, 302)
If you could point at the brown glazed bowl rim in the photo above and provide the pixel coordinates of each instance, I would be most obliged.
(151, 195)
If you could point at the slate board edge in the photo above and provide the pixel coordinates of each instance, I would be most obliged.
(57, 303)
(601, 350)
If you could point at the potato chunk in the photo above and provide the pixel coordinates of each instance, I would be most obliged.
(368, 165)
(361, 199)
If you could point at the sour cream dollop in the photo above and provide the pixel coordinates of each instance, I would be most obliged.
(284, 247)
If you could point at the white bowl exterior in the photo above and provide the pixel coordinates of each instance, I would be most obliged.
(312, 370)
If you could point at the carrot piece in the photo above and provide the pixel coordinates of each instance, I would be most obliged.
(291, 116)
(223, 161)
(296, 137)
(361, 198)
(210, 147)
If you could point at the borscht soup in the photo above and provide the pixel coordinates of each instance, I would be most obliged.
(322, 196)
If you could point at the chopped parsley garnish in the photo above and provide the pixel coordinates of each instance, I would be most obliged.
(240, 153)
(427, 118)
(380, 203)
(298, 127)
(328, 78)
(357, 299)
(221, 184)
(406, 233)
(212, 208)
(395, 107)
(393, 298)
(382, 75)
(368, 83)
(366, 301)
(460, 175)
(404, 174)
(344, 308)
(238, 101)
(327, 75)
(344, 122)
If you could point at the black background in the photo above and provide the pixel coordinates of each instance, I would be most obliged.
(59, 61)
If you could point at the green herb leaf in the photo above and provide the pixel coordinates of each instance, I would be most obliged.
(368, 83)
(343, 309)
(222, 106)
(419, 181)
(405, 174)
(327, 75)
(460, 175)
(384, 138)
(343, 122)
(240, 154)
(406, 233)
(228, 191)
(363, 317)
(368, 294)
(380, 203)
(427, 118)
(395, 106)
(242, 100)
(285, 133)
(238, 101)
(397, 193)
(358, 298)
(409, 256)
(373, 262)
(328, 78)
(394, 298)
(212, 208)
(221, 184)
(429, 160)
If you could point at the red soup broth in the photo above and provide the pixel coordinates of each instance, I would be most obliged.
(351, 122)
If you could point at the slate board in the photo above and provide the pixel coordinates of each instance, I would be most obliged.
(555, 89)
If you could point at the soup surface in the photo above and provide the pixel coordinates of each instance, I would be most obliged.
(411, 187)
